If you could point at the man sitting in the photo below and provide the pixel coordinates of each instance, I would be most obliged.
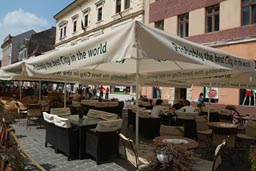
(186, 108)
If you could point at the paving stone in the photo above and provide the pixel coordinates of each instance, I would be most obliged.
(33, 141)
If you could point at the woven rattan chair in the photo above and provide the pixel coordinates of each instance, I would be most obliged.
(34, 113)
(103, 141)
(66, 137)
(205, 165)
(131, 155)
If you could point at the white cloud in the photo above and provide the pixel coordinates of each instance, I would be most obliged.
(19, 21)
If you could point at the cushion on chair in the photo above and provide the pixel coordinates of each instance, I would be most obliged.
(201, 123)
(61, 122)
(34, 110)
(112, 104)
(76, 104)
(60, 111)
(94, 113)
(108, 116)
(172, 130)
(48, 117)
(202, 165)
(186, 115)
(250, 129)
(143, 114)
(244, 136)
(109, 126)
(101, 104)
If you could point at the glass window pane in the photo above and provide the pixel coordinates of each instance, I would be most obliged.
(118, 6)
(216, 22)
(254, 14)
(216, 8)
(246, 15)
(209, 10)
(127, 4)
(85, 20)
(186, 16)
(187, 28)
(181, 30)
(99, 14)
(245, 1)
(209, 24)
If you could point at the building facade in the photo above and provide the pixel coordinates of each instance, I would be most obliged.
(11, 45)
(83, 20)
(229, 25)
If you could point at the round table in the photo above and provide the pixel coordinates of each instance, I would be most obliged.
(222, 125)
(188, 143)
(222, 130)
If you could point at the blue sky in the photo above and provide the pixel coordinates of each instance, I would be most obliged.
(18, 16)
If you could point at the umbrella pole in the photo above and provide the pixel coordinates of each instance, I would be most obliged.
(209, 103)
(65, 93)
(39, 91)
(137, 101)
(20, 89)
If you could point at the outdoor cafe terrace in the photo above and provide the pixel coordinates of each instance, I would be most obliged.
(91, 141)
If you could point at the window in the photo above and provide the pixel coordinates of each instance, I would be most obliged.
(86, 20)
(212, 18)
(118, 6)
(74, 26)
(183, 25)
(23, 54)
(99, 6)
(248, 12)
(63, 28)
(159, 24)
(127, 4)
(99, 13)
(63, 32)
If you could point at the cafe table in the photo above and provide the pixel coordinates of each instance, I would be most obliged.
(82, 125)
(222, 130)
(222, 125)
(188, 143)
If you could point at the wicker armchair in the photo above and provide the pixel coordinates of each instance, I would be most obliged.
(66, 137)
(34, 113)
(103, 141)
(205, 165)
(50, 129)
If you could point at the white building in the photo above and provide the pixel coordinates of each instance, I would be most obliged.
(85, 19)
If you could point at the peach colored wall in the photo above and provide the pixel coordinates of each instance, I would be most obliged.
(146, 91)
(195, 91)
(229, 96)
(227, 9)
(170, 25)
(246, 50)
(197, 22)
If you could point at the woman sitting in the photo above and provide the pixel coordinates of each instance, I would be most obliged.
(157, 109)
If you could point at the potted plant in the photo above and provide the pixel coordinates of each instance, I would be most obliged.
(11, 158)
(174, 157)
(252, 158)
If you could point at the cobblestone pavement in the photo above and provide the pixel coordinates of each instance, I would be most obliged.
(33, 138)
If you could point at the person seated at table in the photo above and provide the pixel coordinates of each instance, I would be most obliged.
(157, 109)
(178, 105)
(79, 95)
(187, 107)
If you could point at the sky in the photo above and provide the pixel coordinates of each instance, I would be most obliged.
(18, 16)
